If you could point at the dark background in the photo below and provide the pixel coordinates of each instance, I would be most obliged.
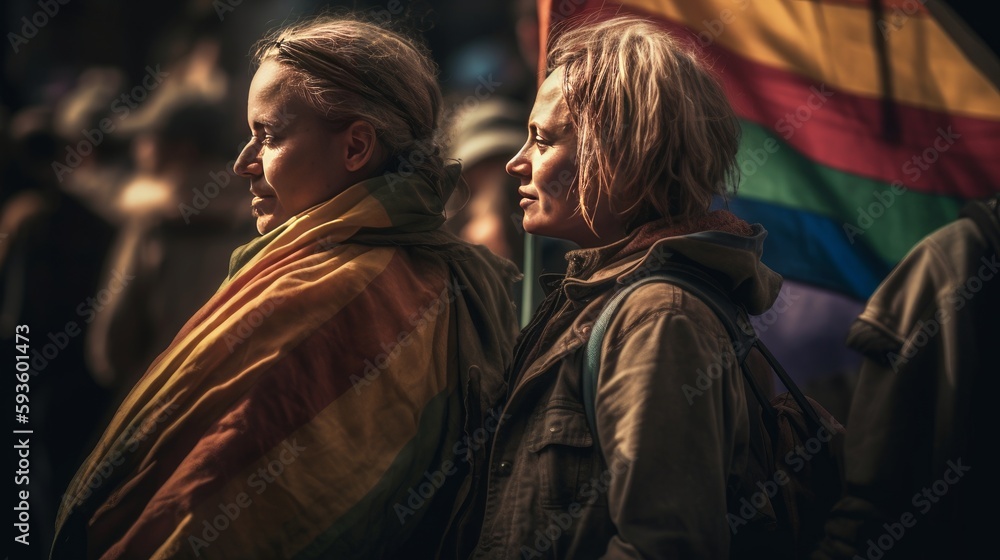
(468, 39)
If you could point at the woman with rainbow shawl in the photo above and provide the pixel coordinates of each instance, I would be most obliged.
(330, 399)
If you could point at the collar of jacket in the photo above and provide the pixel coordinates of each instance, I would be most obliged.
(594, 273)
(733, 256)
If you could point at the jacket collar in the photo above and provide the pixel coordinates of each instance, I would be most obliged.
(649, 248)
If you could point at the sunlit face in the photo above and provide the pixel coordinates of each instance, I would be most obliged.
(294, 160)
(546, 167)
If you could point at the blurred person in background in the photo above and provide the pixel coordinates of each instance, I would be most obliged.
(484, 139)
(91, 162)
(50, 236)
(183, 214)
(919, 455)
(322, 402)
(179, 212)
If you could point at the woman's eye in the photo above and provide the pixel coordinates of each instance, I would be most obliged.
(541, 141)
(264, 139)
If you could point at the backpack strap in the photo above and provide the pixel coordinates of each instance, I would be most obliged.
(733, 317)
(592, 354)
(986, 215)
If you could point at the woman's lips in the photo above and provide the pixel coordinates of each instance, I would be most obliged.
(262, 205)
(526, 197)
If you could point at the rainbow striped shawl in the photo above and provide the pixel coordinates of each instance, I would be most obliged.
(320, 401)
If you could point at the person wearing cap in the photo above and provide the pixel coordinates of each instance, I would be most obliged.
(182, 215)
(487, 212)
(485, 137)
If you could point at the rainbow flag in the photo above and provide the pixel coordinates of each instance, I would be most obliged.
(866, 126)
(318, 404)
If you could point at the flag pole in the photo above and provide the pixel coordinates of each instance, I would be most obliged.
(530, 278)
(531, 255)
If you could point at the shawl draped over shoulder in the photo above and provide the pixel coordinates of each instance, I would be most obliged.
(324, 402)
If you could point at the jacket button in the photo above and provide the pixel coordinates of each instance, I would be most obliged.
(505, 468)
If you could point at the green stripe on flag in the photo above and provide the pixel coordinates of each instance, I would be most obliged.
(888, 219)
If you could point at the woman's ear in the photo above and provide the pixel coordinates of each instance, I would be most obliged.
(361, 144)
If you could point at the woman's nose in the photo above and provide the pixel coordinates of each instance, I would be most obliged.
(518, 165)
(248, 163)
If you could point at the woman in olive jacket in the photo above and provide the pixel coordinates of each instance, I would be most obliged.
(629, 141)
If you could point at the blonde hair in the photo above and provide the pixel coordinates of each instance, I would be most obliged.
(347, 69)
(656, 134)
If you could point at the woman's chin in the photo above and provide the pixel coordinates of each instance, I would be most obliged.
(267, 223)
(545, 229)
(533, 227)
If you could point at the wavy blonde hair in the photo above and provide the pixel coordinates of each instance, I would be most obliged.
(656, 134)
(348, 69)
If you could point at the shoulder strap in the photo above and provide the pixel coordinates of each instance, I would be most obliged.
(733, 317)
(986, 215)
(592, 354)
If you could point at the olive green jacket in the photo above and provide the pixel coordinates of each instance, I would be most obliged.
(920, 418)
(671, 412)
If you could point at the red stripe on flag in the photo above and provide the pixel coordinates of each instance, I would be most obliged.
(939, 153)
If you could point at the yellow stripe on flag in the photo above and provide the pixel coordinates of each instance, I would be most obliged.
(833, 44)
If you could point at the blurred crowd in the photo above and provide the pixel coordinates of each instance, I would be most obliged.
(119, 207)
